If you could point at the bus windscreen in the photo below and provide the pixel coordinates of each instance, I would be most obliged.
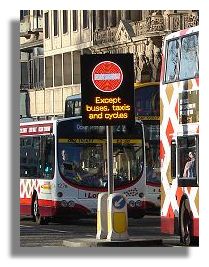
(82, 154)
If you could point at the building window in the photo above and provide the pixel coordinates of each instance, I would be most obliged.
(56, 27)
(48, 72)
(46, 18)
(76, 67)
(106, 20)
(41, 71)
(24, 70)
(65, 21)
(24, 75)
(36, 68)
(85, 19)
(113, 18)
(58, 70)
(67, 68)
(21, 15)
(75, 20)
(39, 13)
(126, 14)
(101, 19)
(25, 13)
(94, 20)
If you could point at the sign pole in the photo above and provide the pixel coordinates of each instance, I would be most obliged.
(109, 130)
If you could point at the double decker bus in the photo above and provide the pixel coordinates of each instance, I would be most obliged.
(179, 136)
(63, 168)
(147, 110)
(73, 106)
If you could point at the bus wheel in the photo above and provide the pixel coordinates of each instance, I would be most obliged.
(36, 213)
(185, 224)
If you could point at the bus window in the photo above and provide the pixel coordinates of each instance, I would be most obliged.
(172, 60)
(29, 157)
(73, 106)
(187, 164)
(189, 57)
(37, 157)
(147, 101)
(48, 157)
(152, 147)
(77, 108)
(68, 109)
(173, 159)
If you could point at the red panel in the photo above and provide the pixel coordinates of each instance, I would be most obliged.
(167, 225)
(169, 131)
(25, 209)
(197, 81)
(154, 184)
(177, 109)
(52, 208)
(34, 129)
(162, 151)
(196, 227)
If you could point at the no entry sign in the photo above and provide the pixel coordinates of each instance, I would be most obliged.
(107, 76)
(107, 89)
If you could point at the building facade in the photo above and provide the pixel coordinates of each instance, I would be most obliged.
(31, 59)
(53, 50)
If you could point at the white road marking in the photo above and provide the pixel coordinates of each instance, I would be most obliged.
(48, 229)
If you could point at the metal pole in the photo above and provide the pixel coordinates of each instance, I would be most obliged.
(109, 130)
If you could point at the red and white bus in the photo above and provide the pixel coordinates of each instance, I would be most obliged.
(63, 168)
(147, 110)
(179, 136)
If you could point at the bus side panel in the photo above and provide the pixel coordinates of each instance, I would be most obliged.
(25, 206)
(167, 225)
(196, 227)
(47, 207)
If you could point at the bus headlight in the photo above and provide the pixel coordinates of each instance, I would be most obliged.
(141, 195)
(64, 203)
(131, 203)
(59, 194)
(138, 203)
(93, 211)
(71, 204)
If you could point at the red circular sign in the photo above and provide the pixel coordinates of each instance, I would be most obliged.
(107, 76)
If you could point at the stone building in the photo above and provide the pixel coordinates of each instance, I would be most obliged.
(67, 34)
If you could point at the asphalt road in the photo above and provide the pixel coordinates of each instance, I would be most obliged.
(53, 234)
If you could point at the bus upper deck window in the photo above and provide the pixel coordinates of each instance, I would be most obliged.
(189, 57)
(172, 60)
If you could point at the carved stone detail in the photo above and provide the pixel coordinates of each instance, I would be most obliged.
(148, 63)
(125, 32)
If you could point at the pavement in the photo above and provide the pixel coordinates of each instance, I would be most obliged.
(131, 242)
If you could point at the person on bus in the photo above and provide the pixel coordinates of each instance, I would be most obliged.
(190, 166)
(67, 166)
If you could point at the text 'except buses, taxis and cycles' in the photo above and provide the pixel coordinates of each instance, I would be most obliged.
(109, 108)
